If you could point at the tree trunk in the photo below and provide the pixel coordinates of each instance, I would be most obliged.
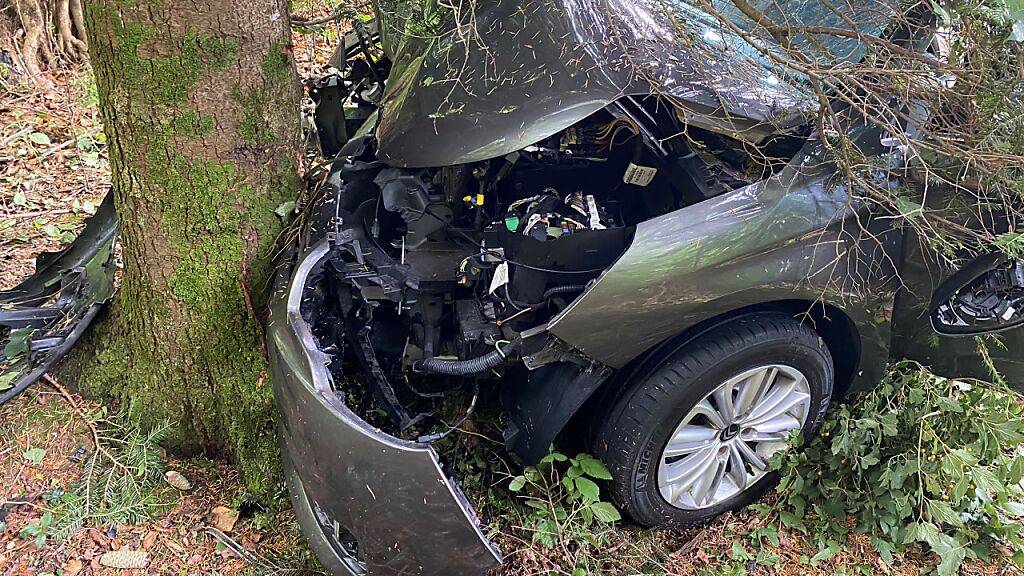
(200, 107)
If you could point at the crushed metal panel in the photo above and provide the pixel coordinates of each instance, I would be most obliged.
(772, 240)
(390, 494)
(61, 299)
(544, 66)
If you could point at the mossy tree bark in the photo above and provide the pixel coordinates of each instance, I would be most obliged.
(200, 107)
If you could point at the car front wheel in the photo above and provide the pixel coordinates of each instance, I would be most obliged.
(691, 438)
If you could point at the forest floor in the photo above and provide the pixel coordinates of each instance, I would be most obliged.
(53, 173)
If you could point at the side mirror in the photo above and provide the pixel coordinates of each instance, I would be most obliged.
(991, 299)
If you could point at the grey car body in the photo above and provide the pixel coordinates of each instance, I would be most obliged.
(793, 241)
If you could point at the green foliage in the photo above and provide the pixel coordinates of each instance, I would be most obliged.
(34, 455)
(565, 502)
(920, 460)
(18, 342)
(15, 359)
(121, 482)
(39, 531)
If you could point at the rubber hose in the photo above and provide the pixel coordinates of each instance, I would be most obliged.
(471, 366)
(555, 290)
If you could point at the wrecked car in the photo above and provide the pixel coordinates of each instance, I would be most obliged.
(43, 317)
(663, 259)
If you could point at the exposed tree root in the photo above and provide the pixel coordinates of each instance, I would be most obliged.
(41, 34)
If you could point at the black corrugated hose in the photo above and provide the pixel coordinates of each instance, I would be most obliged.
(473, 365)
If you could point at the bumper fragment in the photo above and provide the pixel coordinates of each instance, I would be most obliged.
(367, 500)
(56, 305)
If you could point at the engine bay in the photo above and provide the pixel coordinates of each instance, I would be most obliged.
(442, 280)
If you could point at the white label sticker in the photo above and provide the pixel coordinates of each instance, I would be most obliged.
(639, 175)
(500, 277)
(595, 218)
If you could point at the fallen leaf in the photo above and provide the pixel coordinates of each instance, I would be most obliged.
(99, 538)
(149, 540)
(176, 479)
(72, 567)
(174, 546)
(224, 518)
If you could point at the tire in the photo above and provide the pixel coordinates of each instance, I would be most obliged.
(634, 434)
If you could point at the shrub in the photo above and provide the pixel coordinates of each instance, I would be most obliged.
(920, 459)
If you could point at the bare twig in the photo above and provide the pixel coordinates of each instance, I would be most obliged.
(85, 418)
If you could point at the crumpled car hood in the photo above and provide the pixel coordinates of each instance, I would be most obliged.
(528, 69)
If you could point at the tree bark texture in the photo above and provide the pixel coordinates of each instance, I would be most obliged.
(200, 106)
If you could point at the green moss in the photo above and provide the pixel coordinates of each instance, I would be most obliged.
(163, 79)
(253, 127)
(265, 101)
(277, 64)
(189, 122)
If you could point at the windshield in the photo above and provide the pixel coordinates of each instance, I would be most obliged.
(487, 79)
(844, 16)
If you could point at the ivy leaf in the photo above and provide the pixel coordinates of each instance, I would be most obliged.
(791, 520)
(942, 513)
(285, 209)
(39, 138)
(986, 481)
(1015, 509)
(948, 404)
(18, 342)
(824, 554)
(605, 512)
(739, 552)
(950, 551)
(7, 380)
(34, 455)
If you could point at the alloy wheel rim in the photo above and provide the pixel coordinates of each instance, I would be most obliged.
(722, 446)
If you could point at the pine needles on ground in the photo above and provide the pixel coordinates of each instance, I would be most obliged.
(121, 480)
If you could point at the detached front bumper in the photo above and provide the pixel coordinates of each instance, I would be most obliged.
(59, 301)
(368, 502)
